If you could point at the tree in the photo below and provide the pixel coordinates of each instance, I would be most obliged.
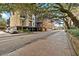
(2, 23)
(70, 14)
(42, 10)
(64, 8)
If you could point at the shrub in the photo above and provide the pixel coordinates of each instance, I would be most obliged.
(24, 30)
(74, 32)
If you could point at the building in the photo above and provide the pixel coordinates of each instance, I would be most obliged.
(46, 24)
(19, 20)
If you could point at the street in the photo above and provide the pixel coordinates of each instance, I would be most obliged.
(50, 43)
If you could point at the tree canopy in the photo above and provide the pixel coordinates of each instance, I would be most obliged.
(45, 10)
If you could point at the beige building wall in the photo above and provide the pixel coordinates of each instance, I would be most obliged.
(27, 21)
(47, 24)
(15, 19)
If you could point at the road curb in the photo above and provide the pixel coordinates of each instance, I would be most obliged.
(12, 35)
(72, 40)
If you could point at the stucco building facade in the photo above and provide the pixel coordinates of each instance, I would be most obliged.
(20, 19)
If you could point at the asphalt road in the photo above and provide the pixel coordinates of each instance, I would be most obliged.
(55, 44)
(13, 43)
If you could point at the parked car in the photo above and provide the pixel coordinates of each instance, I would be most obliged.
(7, 30)
(11, 30)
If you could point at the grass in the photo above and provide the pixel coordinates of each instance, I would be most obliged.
(74, 32)
(75, 39)
(24, 31)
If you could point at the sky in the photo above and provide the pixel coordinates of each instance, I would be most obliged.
(6, 15)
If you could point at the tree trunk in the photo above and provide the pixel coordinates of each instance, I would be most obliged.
(66, 23)
(73, 18)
